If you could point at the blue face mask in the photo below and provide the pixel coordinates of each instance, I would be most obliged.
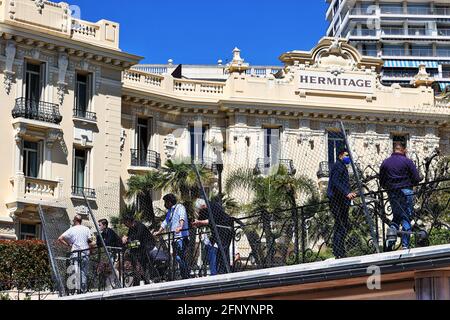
(347, 160)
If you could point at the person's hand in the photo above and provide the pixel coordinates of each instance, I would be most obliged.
(352, 196)
(156, 233)
(178, 230)
(124, 239)
(196, 223)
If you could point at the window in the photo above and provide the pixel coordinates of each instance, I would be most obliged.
(197, 134)
(402, 138)
(336, 143)
(271, 146)
(31, 159)
(28, 232)
(34, 82)
(79, 170)
(83, 94)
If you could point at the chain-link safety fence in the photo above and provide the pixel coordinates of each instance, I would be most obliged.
(268, 206)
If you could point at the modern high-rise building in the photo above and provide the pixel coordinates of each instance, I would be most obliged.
(403, 33)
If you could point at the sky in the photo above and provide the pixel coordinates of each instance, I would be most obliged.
(204, 31)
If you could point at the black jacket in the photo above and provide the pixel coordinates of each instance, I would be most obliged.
(224, 223)
(111, 239)
(339, 184)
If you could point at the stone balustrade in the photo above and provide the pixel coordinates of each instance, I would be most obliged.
(166, 83)
(27, 188)
(56, 18)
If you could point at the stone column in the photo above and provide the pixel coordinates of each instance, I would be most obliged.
(433, 285)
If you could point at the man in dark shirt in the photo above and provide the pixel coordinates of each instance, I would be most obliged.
(340, 197)
(142, 243)
(399, 175)
(225, 230)
(110, 238)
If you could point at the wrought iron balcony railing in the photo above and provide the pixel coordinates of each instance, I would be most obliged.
(79, 191)
(83, 114)
(324, 170)
(37, 110)
(263, 165)
(145, 159)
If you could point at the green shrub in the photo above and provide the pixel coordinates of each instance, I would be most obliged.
(24, 265)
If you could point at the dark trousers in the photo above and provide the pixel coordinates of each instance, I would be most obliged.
(221, 264)
(340, 208)
(180, 250)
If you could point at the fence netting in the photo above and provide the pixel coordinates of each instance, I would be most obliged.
(282, 199)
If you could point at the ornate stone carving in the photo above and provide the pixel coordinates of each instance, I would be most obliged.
(20, 130)
(12, 10)
(170, 146)
(10, 52)
(63, 63)
(39, 5)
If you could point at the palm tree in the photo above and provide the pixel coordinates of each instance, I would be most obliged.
(275, 192)
(141, 187)
(181, 178)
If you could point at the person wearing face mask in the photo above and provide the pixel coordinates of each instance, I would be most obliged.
(340, 196)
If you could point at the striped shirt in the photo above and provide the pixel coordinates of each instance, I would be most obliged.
(78, 237)
(172, 222)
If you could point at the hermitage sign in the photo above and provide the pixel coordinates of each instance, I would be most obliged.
(313, 80)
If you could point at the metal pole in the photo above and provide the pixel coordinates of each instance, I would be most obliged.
(361, 192)
(111, 264)
(212, 221)
(296, 240)
(61, 289)
(303, 236)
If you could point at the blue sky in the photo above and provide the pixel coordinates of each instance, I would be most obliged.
(203, 31)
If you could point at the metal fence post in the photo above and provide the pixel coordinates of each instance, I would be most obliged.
(361, 192)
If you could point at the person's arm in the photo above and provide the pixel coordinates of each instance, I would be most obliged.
(63, 238)
(181, 210)
(200, 223)
(415, 175)
(339, 181)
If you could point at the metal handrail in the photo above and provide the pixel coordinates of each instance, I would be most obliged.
(145, 158)
(36, 110)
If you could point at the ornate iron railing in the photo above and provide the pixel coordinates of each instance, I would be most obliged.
(263, 165)
(83, 114)
(37, 110)
(79, 191)
(145, 159)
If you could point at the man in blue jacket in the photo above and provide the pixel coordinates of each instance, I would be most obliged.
(399, 175)
(340, 197)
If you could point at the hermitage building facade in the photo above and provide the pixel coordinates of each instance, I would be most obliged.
(79, 115)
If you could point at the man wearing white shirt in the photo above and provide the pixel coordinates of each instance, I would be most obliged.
(79, 239)
(177, 222)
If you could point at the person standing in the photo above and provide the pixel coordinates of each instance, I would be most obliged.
(399, 175)
(225, 230)
(340, 196)
(141, 243)
(109, 236)
(177, 222)
(79, 239)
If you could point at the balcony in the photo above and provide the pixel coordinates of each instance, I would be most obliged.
(85, 115)
(209, 164)
(364, 33)
(145, 159)
(37, 110)
(36, 191)
(80, 192)
(263, 166)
